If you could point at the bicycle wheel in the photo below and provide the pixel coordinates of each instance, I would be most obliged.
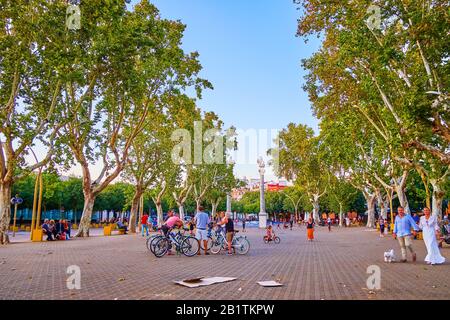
(266, 240)
(241, 245)
(277, 240)
(189, 246)
(154, 241)
(149, 240)
(161, 247)
(208, 243)
(216, 246)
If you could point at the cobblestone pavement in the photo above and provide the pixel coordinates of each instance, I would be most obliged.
(120, 267)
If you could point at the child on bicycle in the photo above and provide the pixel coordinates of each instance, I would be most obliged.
(269, 233)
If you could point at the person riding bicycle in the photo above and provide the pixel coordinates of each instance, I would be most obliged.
(270, 234)
(229, 229)
(172, 222)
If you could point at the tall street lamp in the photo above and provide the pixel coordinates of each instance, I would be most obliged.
(15, 201)
(262, 202)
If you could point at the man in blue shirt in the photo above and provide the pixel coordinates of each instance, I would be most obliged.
(201, 220)
(402, 231)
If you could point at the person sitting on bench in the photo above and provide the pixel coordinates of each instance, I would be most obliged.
(121, 226)
(47, 230)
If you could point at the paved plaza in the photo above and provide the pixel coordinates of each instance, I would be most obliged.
(120, 267)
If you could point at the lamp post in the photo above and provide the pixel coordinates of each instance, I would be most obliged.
(262, 202)
(229, 204)
(15, 201)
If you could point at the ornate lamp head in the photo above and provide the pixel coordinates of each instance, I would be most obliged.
(261, 163)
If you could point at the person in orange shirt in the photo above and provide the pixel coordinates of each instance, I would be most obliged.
(310, 229)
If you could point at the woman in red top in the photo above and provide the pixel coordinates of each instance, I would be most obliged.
(144, 224)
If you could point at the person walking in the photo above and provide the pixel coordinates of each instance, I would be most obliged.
(243, 225)
(310, 229)
(382, 225)
(402, 231)
(144, 224)
(430, 229)
(201, 220)
(329, 224)
(347, 221)
(291, 221)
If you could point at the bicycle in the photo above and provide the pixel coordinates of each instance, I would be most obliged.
(187, 245)
(275, 239)
(239, 244)
(151, 240)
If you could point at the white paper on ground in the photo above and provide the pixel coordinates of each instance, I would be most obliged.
(198, 282)
(270, 284)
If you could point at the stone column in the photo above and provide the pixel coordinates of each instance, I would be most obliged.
(262, 201)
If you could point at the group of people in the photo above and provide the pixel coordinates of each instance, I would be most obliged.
(201, 223)
(56, 231)
(270, 233)
(405, 227)
(431, 232)
(224, 223)
(288, 223)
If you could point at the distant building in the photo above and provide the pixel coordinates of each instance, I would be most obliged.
(252, 185)
(277, 186)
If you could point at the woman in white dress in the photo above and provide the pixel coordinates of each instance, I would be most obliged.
(430, 228)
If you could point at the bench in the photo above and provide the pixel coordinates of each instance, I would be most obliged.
(107, 230)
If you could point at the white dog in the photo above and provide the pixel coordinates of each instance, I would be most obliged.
(389, 256)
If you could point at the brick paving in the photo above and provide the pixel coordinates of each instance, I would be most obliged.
(120, 267)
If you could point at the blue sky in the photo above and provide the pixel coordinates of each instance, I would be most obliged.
(249, 52)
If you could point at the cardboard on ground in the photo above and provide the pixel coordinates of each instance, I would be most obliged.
(199, 282)
(270, 284)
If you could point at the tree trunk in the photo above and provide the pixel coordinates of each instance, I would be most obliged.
(400, 190)
(437, 199)
(141, 212)
(341, 215)
(134, 210)
(382, 205)
(213, 209)
(198, 203)
(159, 211)
(403, 199)
(5, 211)
(315, 204)
(85, 221)
(370, 199)
(181, 211)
